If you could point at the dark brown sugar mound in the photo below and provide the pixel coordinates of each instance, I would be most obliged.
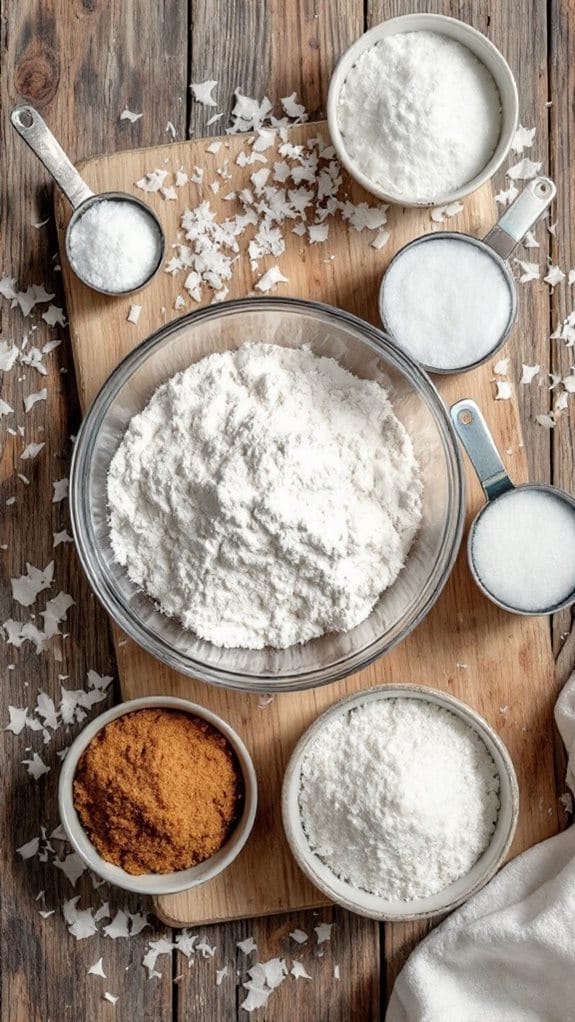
(158, 790)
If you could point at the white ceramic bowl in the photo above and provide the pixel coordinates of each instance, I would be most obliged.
(371, 905)
(156, 883)
(483, 49)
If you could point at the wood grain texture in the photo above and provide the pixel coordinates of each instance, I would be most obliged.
(462, 628)
(80, 64)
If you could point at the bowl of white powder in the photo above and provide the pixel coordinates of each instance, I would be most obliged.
(400, 802)
(422, 110)
(267, 494)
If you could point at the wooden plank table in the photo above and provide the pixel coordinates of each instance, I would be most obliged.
(81, 63)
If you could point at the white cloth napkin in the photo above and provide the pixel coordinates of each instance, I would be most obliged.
(508, 955)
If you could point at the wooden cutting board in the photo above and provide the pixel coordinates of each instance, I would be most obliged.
(498, 663)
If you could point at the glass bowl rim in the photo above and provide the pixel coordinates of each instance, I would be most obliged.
(103, 586)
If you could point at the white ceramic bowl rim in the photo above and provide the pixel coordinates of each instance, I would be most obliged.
(373, 906)
(153, 883)
(481, 47)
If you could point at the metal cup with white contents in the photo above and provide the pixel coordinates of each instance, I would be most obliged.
(521, 544)
(448, 299)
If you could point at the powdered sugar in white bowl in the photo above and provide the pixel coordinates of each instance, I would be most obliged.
(399, 802)
(422, 109)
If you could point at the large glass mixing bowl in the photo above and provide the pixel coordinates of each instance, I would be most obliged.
(363, 350)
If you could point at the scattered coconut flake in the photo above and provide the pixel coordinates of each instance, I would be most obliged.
(249, 114)
(214, 118)
(525, 170)
(545, 420)
(522, 139)
(112, 998)
(207, 950)
(32, 451)
(336, 972)
(36, 766)
(129, 115)
(163, 946)
(5, 408)
(103, 912)
(181, 178)
(530, 240)
(61, 537)
(153, 181)
(441, 213)
(561, 402)
(214, 147)
(54, 314)
(270, 278)
(46, 913)
(30, 849)
(26, 588)
(18, 719)
(265, 700)
(530, 271)
(381, 239)
(293, 109)
(529, 373)
(58, 834)
(323, 932)
(318, 233)
(80, 921)
(170, 129)
(571, 277)
(138, 921)
(247, 946)
(300, 936)
(71, 866)
(32, 399)
(8, 355)
(555, 380)
(170, 194)
(257, 998)
(202, 92)
(501, 368)
(554, 276)
(118, 927)
(221, 974)
(506, 197)
(40, 224)
(504, 390)
(134, 313)
(299, 970)
(97, 969)
(552, 229)
(364, 216)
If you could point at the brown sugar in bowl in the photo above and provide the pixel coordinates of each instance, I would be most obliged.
(158, 795)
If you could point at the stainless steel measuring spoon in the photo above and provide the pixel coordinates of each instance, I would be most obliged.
(474, 434)
(498, 244)
(32, 128)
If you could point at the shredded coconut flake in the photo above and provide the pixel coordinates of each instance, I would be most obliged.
(202, 92)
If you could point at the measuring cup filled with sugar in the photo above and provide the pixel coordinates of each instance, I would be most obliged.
(114, 242)
(521, 545)
(448, 299)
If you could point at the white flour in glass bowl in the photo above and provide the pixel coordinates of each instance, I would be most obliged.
(265, 497)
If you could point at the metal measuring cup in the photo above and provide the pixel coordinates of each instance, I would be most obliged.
(474, 434)
(498, 244)
(33, 129)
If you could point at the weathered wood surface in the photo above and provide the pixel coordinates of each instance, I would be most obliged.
(81, 63)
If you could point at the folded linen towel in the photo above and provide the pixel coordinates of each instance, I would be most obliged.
(508, 955)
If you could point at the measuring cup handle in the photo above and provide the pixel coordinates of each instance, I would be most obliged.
(474, 434)
(28, 123)
(522, 214)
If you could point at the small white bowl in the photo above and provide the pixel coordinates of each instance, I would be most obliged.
(371, 905)
(483, 49)
(156, 883)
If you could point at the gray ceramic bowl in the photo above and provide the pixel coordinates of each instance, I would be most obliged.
(154, 883)
(371, 905)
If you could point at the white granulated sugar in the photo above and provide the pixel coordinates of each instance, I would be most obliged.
(114, 245)
(419, 114)
(446, 303)
(399, 797)
(264, 497)
(524, 549)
